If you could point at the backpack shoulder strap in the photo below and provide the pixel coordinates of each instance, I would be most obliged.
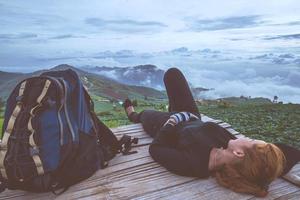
(9, 129)
(34, 150)
(106, 136)
(103, 132)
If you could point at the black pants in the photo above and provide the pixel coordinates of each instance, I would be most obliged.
(180, 99)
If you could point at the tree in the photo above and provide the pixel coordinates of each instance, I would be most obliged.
(275, 99)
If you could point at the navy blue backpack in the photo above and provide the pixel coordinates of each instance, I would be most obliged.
(51, 136)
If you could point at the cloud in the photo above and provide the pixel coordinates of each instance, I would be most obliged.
(59, 37)
(292, 23)
(297, 61)
(225, 23)
(118, 54)
(293, 78)
(173, 53)
(248, 82)
(285, 37)
(287, 55)
(17, 36)
(17, 17)
(280, 59)
(262, 57)
(125, 25)
(265, 88)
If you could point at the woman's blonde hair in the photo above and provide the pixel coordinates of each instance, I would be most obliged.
(258, 168)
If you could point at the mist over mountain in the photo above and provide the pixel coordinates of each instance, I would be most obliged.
(199, 91)
(96, 84)
(141, 75)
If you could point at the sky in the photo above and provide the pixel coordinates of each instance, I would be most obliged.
(237, 47)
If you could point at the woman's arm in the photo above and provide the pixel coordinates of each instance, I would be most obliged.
(163, 150)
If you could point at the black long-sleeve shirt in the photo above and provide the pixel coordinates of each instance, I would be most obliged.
(185, 148)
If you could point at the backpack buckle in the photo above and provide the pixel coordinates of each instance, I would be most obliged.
(34, 151)
(3, 147)
(19, 99)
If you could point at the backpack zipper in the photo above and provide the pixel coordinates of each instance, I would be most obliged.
(59, 116)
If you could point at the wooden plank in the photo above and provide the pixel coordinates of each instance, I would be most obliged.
(278, 189)
(131, 132)
(21, 195)
(127, 127)
(195, 189)
(143, 141)
(294, 175)
(98, 182)
(142, 151)
(232, 131)
(156, 183)
(135, 181)
(128, 131)
(206, 118)
(208, 189)
(224, 125)
(116, 180)
(291, 196)
(137, 134)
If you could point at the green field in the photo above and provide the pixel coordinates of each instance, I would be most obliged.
(1, 123)
(269, 122)
(260, 120)
(113, 115)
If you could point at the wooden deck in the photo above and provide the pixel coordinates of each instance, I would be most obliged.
(137, 176)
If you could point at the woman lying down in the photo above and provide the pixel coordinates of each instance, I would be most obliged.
(186, 146)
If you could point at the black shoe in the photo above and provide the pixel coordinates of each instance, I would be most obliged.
(133, 117)
(127, 103)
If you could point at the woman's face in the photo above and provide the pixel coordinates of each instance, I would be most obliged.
(236, 149)
(243, 143)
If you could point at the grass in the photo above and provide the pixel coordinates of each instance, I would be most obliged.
(269, 122)
(1, 123)
(266, 121)
(113, 115)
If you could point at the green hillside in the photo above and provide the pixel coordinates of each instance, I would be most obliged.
(113, 90)
(96, 84)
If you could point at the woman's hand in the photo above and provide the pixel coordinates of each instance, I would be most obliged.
(180, 117)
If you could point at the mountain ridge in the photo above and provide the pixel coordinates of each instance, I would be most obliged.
(95, 83)
(141, 75)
